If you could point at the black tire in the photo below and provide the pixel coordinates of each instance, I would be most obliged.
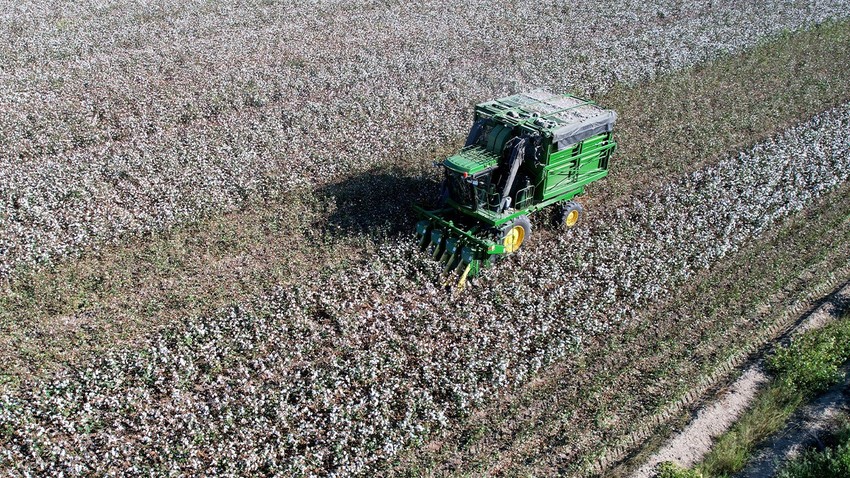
(569, 214)
(516, 234)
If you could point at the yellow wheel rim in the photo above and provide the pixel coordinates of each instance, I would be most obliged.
(572, 218)
(513, 239)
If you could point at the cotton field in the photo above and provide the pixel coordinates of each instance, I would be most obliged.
(118, 118)
(334, 378)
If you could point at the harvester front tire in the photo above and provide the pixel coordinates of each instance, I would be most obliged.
(569, 215)
(516, 234)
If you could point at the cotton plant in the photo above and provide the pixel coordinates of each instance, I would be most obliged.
(122, 119)
(335, 378)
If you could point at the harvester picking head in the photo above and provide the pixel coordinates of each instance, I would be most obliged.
(460, 250)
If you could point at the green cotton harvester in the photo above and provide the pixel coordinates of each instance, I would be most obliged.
(524, 153)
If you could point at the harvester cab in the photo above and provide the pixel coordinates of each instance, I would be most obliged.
(524, 153)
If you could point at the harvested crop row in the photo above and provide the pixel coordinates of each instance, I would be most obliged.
(336, 377)
(56, 314)
(121, 119)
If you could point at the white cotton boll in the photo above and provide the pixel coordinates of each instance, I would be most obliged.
(390, 357)
(144, 123)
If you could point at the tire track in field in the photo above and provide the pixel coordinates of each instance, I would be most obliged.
(337, 377)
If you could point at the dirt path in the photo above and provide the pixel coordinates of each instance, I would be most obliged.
(805, 428)
(693, 443)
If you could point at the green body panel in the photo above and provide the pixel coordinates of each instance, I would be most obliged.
(576, 166)
(561, 176)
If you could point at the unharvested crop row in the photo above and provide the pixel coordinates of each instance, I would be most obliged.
(58, 313)
(124, 118)
(337, 376)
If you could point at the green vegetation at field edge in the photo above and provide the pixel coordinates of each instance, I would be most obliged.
(832, 461)
(807, 366)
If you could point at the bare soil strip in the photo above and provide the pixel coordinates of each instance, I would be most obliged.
(52, 319)
(711, 421)
(719, 414)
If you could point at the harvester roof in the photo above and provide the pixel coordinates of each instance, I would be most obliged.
(472, 160)
(567, 119)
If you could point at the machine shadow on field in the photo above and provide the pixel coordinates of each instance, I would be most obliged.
(378, 203)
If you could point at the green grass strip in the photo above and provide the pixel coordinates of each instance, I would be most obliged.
(802, 369)
(832, 461)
